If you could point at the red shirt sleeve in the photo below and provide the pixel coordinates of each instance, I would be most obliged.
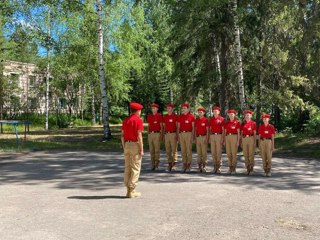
(254, 126)
(238, 125)
(140, 125)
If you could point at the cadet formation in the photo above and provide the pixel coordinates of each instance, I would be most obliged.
(186, 129)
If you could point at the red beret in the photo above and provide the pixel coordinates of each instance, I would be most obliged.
(170, 105)
(154, 105)
(201, 109)
(265, 115)
(247, 112)
(232, 111)
(185, 105)
(216, 108)
(136, 106)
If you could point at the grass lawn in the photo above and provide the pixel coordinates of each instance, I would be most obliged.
(90, 139)
(298, 145)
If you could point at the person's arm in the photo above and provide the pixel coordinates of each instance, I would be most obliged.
(240, 137)
(272, 143)
(208, 135)
(122, 139)
(178, 131)
(259, 138)
(140, 141)
(254, 138)
(193, 133)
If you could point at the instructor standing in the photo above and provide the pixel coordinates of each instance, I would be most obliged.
(131, 139)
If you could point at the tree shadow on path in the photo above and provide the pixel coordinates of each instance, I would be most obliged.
(96, 171)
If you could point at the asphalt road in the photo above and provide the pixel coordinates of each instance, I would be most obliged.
(80, 195)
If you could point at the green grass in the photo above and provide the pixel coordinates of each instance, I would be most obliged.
(90, 139)
(80, 138)
(297, 145)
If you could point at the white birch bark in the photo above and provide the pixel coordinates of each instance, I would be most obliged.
(47, 72)
(105, 110)
(239, 69)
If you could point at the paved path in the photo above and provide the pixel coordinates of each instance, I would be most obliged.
(79, 195)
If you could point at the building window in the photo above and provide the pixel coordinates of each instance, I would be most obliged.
(62, 103)
(14, 78)
(32, 81)
(33, 103)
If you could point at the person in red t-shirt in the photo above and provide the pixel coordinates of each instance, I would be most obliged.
(170, 137)
(131, 139)
(154, 121)
(216, 138)
(232, 137)
(266, 143)
(202, 138)
(185, 137)
(248, 140)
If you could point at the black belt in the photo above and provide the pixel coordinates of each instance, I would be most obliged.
(131, 141)
(232, 134)
(265, 139)
(154, 132)
(216, 133)
(201, 135)
(184, 131)
(171, 132)
(249, 135)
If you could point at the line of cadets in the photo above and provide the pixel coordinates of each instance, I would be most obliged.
(185, 129)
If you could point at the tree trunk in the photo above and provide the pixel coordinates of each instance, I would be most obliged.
(224, 96)
(239, 70)
(217, 65)
(93, 109)
(47, 72)
(105, 108)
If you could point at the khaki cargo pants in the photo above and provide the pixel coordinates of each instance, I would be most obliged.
(171, 144)
(266, 154)
(132, 164)
(232, 149)
(202, 147)
(248, 148)
(186, 146)
(154, 147)
(216, 150)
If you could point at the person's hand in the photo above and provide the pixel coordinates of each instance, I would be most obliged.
(141, 153)
(238, 144)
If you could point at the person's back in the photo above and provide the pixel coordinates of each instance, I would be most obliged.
(132, 144)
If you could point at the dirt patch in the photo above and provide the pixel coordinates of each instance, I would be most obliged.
(290, 223)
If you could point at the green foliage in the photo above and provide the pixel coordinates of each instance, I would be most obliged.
(313, 125)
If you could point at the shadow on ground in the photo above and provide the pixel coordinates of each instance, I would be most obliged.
(102, 171)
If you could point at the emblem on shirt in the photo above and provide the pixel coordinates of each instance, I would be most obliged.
(170, 120)
(203, 124)
(155, 122)
(266, 132)
(186, 121)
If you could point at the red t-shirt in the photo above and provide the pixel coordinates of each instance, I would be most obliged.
(232, 126)
(248, 128)
(130, 126)
(154, 122)
(216, 124)
(186, 121)
(201, 125)
(266, 131)
(170, 122)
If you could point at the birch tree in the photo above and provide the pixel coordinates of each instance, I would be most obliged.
(239, 69)
(104, 97)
